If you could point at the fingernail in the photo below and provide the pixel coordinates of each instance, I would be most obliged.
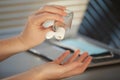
(78, 50)
(85, 53)
(82, 53)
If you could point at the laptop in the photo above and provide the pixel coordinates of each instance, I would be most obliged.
(99, 34)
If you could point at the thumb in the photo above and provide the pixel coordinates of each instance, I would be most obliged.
(70, 66)
(47, 29)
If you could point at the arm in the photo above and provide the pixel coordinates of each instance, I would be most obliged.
(33, 34)
(10, 47)
(56, 69)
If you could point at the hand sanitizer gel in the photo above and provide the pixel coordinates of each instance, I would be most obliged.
(58, 27)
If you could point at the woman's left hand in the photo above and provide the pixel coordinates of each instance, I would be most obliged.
(58, 69)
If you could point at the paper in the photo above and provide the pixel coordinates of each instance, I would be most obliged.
(84, 46)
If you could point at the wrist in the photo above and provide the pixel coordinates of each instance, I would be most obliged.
(38, 75)
(27, 41)
(22, 42)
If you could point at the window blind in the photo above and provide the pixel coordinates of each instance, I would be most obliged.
(14, 13)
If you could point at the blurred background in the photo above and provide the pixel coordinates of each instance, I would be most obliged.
(96, 19)
(14, 13)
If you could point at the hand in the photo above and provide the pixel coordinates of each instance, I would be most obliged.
(34, 32)
(58, 69)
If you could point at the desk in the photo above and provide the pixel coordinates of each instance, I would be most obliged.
(25, 60)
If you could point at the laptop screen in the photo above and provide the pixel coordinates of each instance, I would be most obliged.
(101, 22)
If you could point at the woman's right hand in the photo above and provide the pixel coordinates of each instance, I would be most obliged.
(34, 33)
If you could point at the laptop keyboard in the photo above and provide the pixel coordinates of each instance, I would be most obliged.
(106, 59)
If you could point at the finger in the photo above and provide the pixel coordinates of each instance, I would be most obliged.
(82, 57)
(39, 19)
(73, 57)
(86, 63)
(58, 6)
(51, 9)
(46, 30)
(62, 57)
(80, 69)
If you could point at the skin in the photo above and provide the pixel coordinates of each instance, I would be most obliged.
(34, 34)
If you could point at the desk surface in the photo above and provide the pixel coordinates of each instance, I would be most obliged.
(25, 60)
